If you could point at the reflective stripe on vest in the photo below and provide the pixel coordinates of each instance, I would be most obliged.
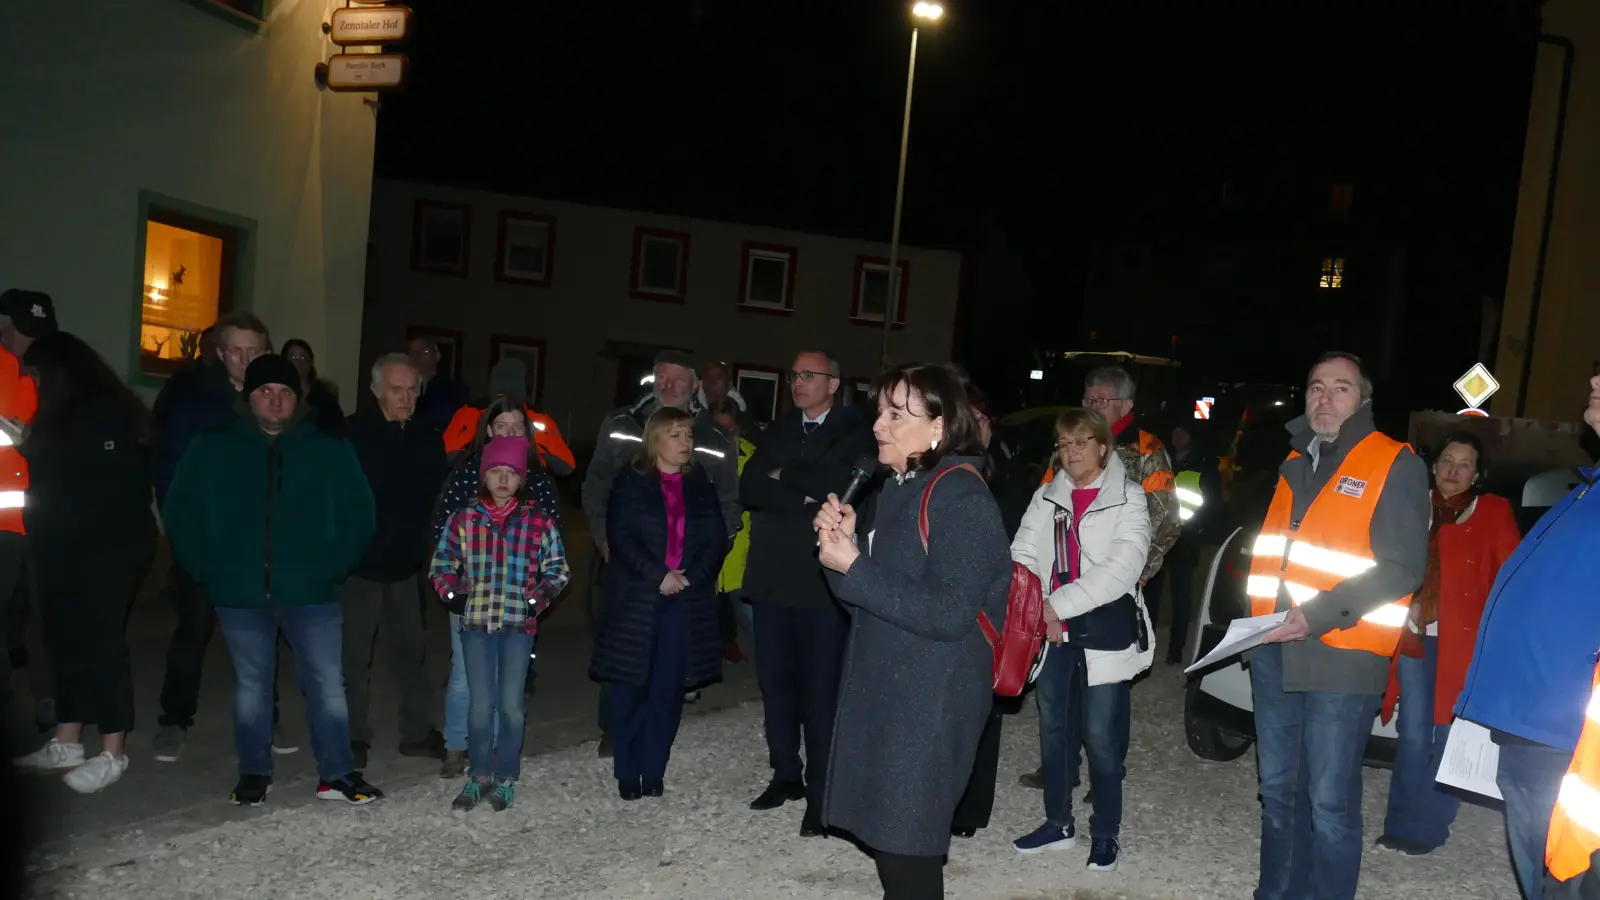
(1575, 822)
(1332, 542)
(1190, 499)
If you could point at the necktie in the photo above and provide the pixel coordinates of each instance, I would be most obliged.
(811, 426)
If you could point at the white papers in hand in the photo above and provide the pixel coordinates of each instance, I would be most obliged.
(1242, 635)
(1471, 759)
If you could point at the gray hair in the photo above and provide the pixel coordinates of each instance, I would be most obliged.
(1115, 376)
(392, 359)
(833, 367)
(1352, 359)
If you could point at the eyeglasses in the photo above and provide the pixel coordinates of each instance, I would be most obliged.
(805, 377)
(1097, 402)
(1074, 444)
(299, 357)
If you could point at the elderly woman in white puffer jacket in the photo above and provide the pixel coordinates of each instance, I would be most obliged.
(1086, 535)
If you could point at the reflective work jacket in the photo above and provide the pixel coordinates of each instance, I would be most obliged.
(547, 438)
(19, 400)
(1575, 823)
(1331, 543)
(1190, 499)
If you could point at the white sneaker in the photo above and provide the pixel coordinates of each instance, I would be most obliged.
(55, 754)
(97, 774)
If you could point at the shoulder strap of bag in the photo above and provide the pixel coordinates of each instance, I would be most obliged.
(927, 494)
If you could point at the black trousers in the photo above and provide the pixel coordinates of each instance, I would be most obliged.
(391, 611)
(911, 877)
(85, 611)
(592, 606)
(20, 621)
(802, 650)
(977, 802)
(186, 653)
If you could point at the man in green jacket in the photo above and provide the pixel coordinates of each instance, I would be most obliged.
(270, 513)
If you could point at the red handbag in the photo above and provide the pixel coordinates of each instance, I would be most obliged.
(1019, 646)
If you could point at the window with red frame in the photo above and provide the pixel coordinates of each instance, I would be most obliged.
(872, 290)
(660, 264)
(766, 281)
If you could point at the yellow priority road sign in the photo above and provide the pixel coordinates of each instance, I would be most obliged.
(1476, 386)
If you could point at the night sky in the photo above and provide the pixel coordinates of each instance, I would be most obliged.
(1042, 118)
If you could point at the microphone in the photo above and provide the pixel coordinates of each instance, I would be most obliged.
(861, 473)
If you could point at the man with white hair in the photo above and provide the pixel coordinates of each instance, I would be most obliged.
(621, 432)
(404, 463)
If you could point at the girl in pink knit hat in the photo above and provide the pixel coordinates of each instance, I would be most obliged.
(499, 564)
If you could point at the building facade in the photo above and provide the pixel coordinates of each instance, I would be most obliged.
(170, 160)
(586, 296)
(1547, 346)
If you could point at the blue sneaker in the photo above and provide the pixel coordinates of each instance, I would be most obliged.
(1103, 855)
(1048, 836)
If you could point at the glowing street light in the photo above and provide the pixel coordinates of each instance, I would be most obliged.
(922, 11)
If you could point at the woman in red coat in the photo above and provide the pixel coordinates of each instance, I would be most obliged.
(1471, 536)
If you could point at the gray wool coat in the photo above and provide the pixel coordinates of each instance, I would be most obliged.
(917, 683)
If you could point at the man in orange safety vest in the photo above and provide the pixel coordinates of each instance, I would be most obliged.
(24, 315)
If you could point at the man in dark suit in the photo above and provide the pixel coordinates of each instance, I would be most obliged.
(801, 630)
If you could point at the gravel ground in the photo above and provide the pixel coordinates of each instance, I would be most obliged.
(1190, 831)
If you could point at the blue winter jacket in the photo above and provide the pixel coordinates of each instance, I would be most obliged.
(1540, 636)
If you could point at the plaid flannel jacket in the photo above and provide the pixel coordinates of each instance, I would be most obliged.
(509, 574)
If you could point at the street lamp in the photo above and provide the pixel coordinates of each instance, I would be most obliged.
(922, 11)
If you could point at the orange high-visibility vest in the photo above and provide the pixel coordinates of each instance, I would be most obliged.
(19, 400)
(1331, 543)
(547, 438)
(1575, 823)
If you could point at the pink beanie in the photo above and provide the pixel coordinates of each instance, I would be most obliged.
(505, 451)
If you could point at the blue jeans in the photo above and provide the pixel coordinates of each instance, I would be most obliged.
(456, 696)
(644, 718)
(497, 671)
(1073, 714)
(316, 635)
(1309, 748)
(1419, 811)
(1529, 779)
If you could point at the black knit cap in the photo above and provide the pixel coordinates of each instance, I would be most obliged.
(272, 369)
(32, 313)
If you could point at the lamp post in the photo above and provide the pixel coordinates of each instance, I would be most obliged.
(923, 11)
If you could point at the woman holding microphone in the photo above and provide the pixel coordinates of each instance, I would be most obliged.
(917, 684)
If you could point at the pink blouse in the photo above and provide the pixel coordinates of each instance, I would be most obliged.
(672, 492)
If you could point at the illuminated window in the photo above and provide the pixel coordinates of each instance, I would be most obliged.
(188, 274)
(1339, 198)
(1332, 272)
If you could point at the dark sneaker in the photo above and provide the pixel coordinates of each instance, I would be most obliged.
(351, 788)
(1103, 855)
(1046, 837)
(169, 743)
(503, 796)
(454, 765)
(604, 750)
(252, 790)
(1034, 779)
(470, 795)
(1401, 845)
(358, 754)
(430, 747)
